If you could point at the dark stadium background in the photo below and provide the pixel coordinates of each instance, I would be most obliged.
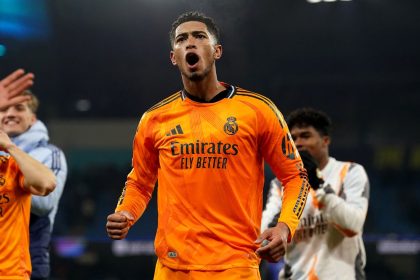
(100, 64)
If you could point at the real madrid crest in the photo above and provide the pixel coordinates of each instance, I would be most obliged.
(231, 127)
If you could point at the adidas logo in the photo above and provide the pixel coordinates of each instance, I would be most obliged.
(175, 131)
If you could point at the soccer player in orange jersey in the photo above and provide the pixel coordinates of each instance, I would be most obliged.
(206, 146)
(30, 134)
(20, 176)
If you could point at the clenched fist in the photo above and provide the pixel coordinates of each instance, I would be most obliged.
(118, 224)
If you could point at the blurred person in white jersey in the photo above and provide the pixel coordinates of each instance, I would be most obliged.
(328, 241)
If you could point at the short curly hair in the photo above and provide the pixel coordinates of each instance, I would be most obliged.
(195, 16)
(304, 117)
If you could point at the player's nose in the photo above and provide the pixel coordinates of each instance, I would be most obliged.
(298, 143)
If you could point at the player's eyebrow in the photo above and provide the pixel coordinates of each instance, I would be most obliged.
(181, 34)
(199, 32)
(194, 33)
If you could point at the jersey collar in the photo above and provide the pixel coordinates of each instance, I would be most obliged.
(229, 92)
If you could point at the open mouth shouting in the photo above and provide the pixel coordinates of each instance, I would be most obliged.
(192, 60)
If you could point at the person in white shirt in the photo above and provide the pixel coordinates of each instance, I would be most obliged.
(328, 242)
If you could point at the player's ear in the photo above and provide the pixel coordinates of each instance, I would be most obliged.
(172, 57)
(326, 140)
(218, 50)
(33, 119)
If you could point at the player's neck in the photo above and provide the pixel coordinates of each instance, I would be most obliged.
(324, 161)
(205, 89)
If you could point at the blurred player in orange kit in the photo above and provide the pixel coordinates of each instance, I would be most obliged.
(30, 134)
(206, 146)
(20, 176)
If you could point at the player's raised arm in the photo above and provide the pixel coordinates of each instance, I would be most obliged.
(13, 85)
(38, 179)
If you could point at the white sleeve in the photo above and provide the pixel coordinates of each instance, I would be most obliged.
(273, 204)
(348, 211)
(55, 160)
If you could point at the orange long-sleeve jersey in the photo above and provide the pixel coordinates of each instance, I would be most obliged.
(208, 159)
(15, 207)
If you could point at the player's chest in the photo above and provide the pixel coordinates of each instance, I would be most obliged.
(205, 130)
